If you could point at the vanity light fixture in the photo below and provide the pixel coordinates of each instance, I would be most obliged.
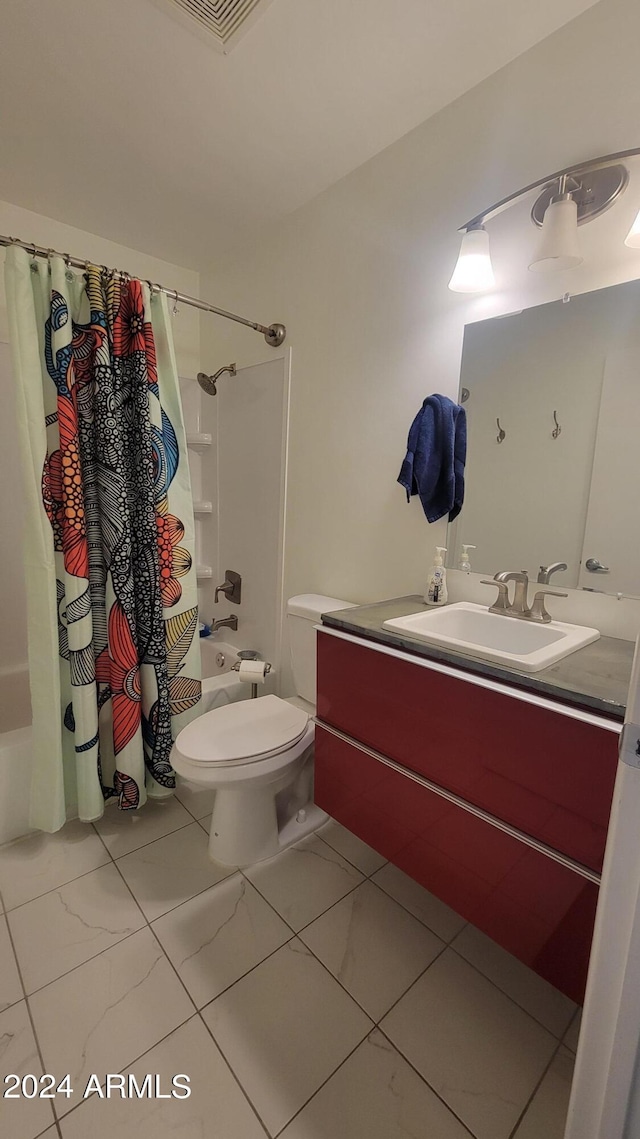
(473, 272)
(559, 246)
(564, 201)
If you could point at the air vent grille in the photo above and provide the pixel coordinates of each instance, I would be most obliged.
(220, 20)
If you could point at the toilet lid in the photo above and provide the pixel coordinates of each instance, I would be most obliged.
(248, 729)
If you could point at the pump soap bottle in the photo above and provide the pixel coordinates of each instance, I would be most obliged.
(465, 561)
(437, 580)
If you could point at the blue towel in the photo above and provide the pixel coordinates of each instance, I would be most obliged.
(436, 451)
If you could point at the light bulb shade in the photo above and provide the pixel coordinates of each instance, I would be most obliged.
(473, 272)
(559, 247)
(633, 237)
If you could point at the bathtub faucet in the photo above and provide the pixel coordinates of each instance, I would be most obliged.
(226, 623)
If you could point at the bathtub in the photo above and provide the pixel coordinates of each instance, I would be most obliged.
(219, 686)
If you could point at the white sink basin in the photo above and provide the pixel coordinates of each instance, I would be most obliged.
(472, 629)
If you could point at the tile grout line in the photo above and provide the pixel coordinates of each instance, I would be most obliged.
(349, 860)
(132, 1062)
(196, 817)
(154, 935)
(198, 1012)
(512, 1134)
(235, 1076)
(320, 1087)
(495, 984)
(297, 932)
(406, 908)
(577, 1013)
(374, 1023)
(32, 1023)
(451, 945)
(425, 1081)
(146, 921)
(248, 972)
(396, 1045)
(414, 982)
(84, 874)
(135, 849)
(59, 887)
(12, 1004)
(339, 982)
(158, 943)
(365, 878)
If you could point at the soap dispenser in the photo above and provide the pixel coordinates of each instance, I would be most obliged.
(465, 561)
(437, 580)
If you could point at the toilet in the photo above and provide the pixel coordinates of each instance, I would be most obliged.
(257, 755)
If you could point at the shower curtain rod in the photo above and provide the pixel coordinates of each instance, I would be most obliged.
(274, 334)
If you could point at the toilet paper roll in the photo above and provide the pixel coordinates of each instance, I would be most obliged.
(252, 671)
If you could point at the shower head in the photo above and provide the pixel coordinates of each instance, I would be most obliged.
(208, 383)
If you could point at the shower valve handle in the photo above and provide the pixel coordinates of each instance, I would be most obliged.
(231, 587)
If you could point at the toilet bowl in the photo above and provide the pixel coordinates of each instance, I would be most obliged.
(257, 755)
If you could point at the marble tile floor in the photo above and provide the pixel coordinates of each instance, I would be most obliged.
(320, 995)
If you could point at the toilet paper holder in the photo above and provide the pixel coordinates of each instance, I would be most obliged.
(236, 667)
(249, 655)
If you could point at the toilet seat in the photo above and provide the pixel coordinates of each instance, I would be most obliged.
(245, 732)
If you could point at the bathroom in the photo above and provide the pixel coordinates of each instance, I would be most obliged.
(317, 175)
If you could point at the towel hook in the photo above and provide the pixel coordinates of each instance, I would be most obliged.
(557, 429)
(501, 432)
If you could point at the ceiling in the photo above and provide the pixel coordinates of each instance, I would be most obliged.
(120, 121)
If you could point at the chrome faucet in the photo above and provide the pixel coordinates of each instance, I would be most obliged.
(519, 607)
(226, 623)
(544, 576)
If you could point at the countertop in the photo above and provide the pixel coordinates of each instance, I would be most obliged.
(595, 677)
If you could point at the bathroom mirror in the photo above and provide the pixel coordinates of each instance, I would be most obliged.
(552, 396)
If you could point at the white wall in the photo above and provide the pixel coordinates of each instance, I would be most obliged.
(29, 226)
(360, 278)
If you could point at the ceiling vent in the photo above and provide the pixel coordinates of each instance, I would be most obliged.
(218, 22)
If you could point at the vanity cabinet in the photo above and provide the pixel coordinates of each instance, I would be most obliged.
(495, 800)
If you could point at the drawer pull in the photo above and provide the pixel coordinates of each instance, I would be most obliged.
(498, 824)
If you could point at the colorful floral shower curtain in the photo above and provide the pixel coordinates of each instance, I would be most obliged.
(110, 571)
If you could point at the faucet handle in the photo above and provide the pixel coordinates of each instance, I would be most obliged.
(538, 611)
(226, 588)
(501, 603)
(231, 587)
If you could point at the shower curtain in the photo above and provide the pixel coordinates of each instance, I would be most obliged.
(114, 655)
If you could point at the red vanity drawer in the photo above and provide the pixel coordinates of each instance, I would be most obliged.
(545, 773)
(539, 910)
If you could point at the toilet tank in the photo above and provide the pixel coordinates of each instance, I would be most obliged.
(303, 614)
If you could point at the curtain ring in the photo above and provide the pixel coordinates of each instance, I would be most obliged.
(175, 303)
